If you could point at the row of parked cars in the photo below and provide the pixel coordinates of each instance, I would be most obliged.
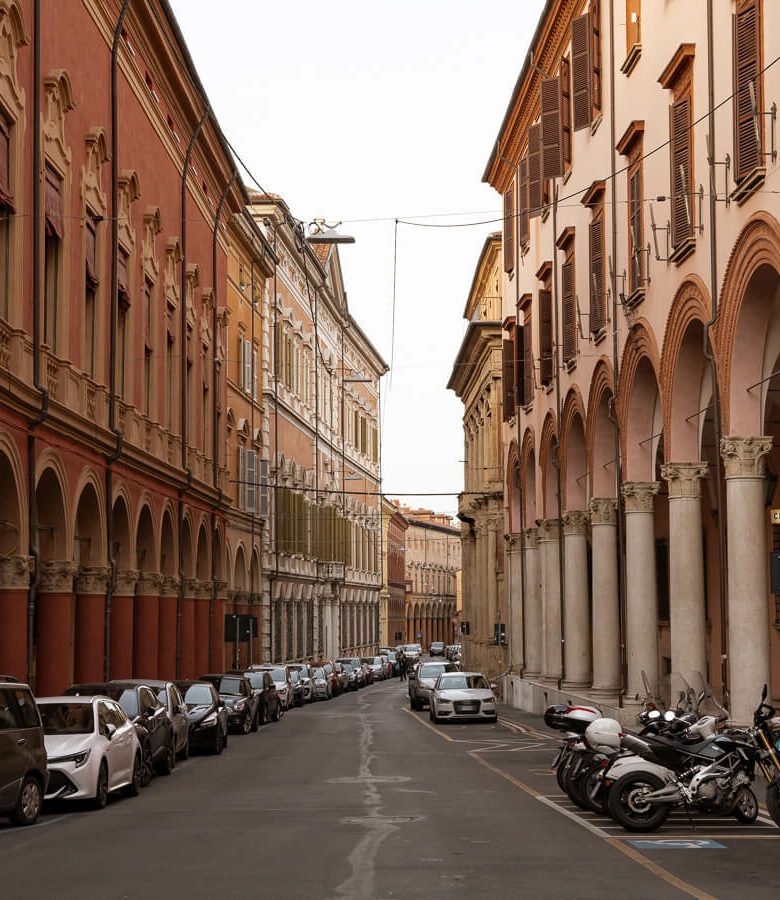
(114, 736)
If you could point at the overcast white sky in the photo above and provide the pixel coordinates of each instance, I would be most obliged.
(378, 109)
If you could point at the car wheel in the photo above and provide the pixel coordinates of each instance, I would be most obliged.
(277, 713)
(28, 807)
(147, 765)
(255, 722)
(101, 788)
(216, 747)
(134, 788)
(246, 723)
(169, 762)
(224, 739)
(430, 713)
(263, 714)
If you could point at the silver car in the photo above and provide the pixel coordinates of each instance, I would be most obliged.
(423, 679)
(463, 695)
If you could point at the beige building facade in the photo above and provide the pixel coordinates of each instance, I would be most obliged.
(641, 257)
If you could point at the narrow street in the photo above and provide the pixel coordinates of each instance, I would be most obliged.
(361, 798)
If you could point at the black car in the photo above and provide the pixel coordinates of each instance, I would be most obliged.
(143, 708)
(168, 694)
(237, 695)
(270, 707)
(207, 716)
(23, 764)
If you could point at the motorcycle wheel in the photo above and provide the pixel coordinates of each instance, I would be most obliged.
(574, 783)
(626, 804)
(773, 801)
(745, 806)
(561, 769)
(594, 793)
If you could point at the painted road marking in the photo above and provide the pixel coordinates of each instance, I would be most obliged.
(678, 845)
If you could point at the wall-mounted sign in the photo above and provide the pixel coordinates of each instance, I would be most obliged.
(774, 516)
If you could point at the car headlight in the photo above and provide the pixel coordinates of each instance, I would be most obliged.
(207, 721)
(79, 759)
(444, 700)
(240, 704)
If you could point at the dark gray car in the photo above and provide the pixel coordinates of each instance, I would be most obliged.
(23, 771)
(170, 697)
(422, 680)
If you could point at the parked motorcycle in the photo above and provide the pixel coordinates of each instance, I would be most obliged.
(765, 736)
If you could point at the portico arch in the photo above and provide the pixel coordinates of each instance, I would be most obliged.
(600, 432)
(574, 456)
(548, 459)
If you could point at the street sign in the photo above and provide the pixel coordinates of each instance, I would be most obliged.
(677, 845)
(238, 628)
(419, 634)
(499, 633)
(774, 516)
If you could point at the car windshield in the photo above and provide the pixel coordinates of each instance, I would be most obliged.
(410, 648)
(295, 676)
(433, 670)
(67, 718)
(391, 655)
(319, 673)
(128, 700)
(162, 696)
(198, 695)
(462, 682)
(229, 686)
(255, 679)
(278, 674)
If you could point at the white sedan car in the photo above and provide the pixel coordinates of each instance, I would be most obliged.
(92, 749)
(463, 695)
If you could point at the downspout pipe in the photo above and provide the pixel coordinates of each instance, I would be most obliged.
(557, 455)
(37, 178)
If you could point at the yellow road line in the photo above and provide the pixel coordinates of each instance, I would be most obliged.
(427, 724)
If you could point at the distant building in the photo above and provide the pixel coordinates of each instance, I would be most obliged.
(392, 616)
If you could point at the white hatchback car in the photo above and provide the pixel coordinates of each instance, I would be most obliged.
(463, 695)
(92, 749)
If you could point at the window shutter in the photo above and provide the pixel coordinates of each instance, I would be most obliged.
(596, 248)
(636, 231)
(240, 491)
(508, 373)
(91, 254)
(569, 311)
(240, 377)
(247, 365)
(255, 374)
(53, 204)
(545, 337)
(509, 230)
(565, 80)
(581, 70)
(6, 198)
(552, 137)
(747, 53)
(680, 160)
(263, 481)
(528, 363)
(518, 374)
(595, 34)
(534, 170)
(522, 203)
(250, 480)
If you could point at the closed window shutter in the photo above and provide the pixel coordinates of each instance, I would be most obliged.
(509, 230)
(681, 180)
(522, 203)
(636, 234)
(552, 137)
(508, 373)
(581, 70)
(247, 365)
(534, 170)
(6, 197)
(518, 376)
(240, 491)
(254, 374)
(565, 80)
(747, 37)
(596, 248)
(595, 34)
(569, 312)
(545, 337)
(528, 363)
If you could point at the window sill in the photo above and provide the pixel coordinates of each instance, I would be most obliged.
(570, 364)
(631, 59)
(594, 125)
(567, 175)
(528, 408)
(749, 185)
(524, 248)
(635, 297)
(598, 336)
(547, 388)
(546, 212)
(683, 251)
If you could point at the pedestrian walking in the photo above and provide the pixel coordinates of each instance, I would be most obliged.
(402, 666)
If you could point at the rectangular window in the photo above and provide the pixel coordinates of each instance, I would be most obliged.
(255, 373)
(122, 350)
(508, 378)
(636, 233)
(565, 79)
(595, 32)
(509, 229)
(169, 383)
(91, 284)
(596, 269)
(248, 367)
(681, 162)
(147, 381)
(6, 212)
(522, 203)
(552, 125)
(518, 379)
(52, 250)
(545, 337)
(535, 170)
(147, 313)
(748, 121)
(240, 483)
(204, 417)
(569, 305)
(250, 479)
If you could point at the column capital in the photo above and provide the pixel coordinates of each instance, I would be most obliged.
(513, 541)
(170, 586)
(203, 590)
(91, 580)
(191, 586)
(125, 582)
(575, 521)
(221, 589)
(744, 457)
(531, 538)
(549, 529)
(149, 584)
(57, 576)
(684, 479)
(15, 571)
(603, 511)
(639, 495)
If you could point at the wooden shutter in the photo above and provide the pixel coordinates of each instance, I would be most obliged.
(91, 254)
(545, 337)
(518, 377)
(522, 204)
(681, 170)
(747, 55)
(552, 137)
(528, 363)
(6, 198)
(595, 36)
(509, 229)
(565, 79)
(53, 204)
(596, 252)
(633, 24)
(507, 378)
(534, 170)
(240, 491)
(636, 230)
(569, 311)
(123, 279)
(581, 72)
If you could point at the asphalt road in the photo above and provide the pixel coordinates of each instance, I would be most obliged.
(360, 798)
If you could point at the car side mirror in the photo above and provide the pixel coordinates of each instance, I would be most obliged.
(110, 730)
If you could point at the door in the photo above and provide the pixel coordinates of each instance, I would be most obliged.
(178, 717)
(156, 718)
(13, 758)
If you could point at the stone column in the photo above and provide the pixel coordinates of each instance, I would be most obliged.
(122, 620)
(606, 599)
(576, 606)
(201, 644)
(549, 532)
(14, 586)
(146, 625)
(54, 628)
(187, 630)
(641, 588)
(515, 601)
(217, 637)
(166, 635)
(687, 606)
(90, 585)
(494, 525)
(749, 665)
(532, 597)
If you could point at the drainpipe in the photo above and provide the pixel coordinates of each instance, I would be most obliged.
(32, 512)
(710, 357)
(557, 454)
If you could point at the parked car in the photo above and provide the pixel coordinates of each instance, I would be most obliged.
(270, 707)
(378, 669)
(297, 687)
(168, 694)
(412, 653)
(368, 672)
(330, 671)
(207, 716)
(436, 648)
(388, 666)
(321, 684)
(355, 677)
(148, 715)
(463, 695)
(343, 676)
(23, 770)
(92, 749)
(423, 679)
(392, 657)
(304, 672)
(281, 678)
(453, 652)
(236, 693)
